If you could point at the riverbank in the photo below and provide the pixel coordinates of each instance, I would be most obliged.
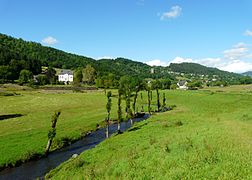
(207, 136)
(81, 112)
(39, 168)
(27, 130)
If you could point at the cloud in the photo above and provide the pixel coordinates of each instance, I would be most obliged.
(237, 66)
(174, 12)
(157, 62)
(210, 62)
(105, 57)
(248, 33)
(238, 51)
(240, 45)
(50, 40)
(236, 59)
(179, 60)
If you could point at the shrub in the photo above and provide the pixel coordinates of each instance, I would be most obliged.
(178, 123)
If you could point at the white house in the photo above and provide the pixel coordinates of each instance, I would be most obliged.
(66, 76)
(182, 84)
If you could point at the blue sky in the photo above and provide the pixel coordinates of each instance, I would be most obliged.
(215, 33)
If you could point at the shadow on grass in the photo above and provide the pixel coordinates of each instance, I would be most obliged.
(9, 116)
(138, 127)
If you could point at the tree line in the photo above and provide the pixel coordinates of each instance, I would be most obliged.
(129, 88)
(17, 55)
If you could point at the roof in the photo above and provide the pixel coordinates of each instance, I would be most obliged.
(182, 82)
(66, 71)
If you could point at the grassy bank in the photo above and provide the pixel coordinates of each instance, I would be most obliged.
(208, 136)
(25, 135)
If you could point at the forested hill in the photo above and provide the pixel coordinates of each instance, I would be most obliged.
(194, 68)
(249, 73)
(18, 49)
(121, 66)
(17, 54)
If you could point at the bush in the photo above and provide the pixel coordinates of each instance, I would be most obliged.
(25, 76)
(62, 142)
(178, 123)
(174, 86)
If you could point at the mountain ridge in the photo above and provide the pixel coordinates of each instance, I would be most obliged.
(248, 73)
(16, 54)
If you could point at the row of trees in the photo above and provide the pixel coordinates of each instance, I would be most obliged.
(130, 87)
(89, 75)
(17, 54)
(85, 75)
(48, 77)
(127, 86)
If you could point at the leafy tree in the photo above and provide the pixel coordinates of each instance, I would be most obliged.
(108, 107)
(99, 83)
(15, 68)
(141, 97)
(156, 86)
(174, 86)
(42, 80)
(111, 80)
(165, 83)
(195, 84)
(126, 86)
(50, 74)
(164, 100)
(128, 109)
(246, 80)
(78, 76)
(119, 111)
(218, 83)
(139, 85)
(89, 74)
(106, 85)
(5, 73)
(149, 100)
(52, 131)
(25, 76)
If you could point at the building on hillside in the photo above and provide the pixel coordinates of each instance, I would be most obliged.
(66, 76)
(152, 70)
(182, 84)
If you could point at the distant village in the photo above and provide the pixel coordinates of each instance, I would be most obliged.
(66, 76)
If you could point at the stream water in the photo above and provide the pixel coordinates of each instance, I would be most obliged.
(34, 169)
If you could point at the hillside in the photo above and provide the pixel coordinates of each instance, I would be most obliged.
(17, 54)
(199, 69)
(249, 73)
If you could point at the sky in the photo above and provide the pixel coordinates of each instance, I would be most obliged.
(215, 33)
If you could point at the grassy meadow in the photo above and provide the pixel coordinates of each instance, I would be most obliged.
(207, 136)
(22, 137)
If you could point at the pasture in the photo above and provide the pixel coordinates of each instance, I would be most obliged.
(25, 136)
(208, 136)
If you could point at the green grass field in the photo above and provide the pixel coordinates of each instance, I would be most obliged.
(24, 136)
(208, 136)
